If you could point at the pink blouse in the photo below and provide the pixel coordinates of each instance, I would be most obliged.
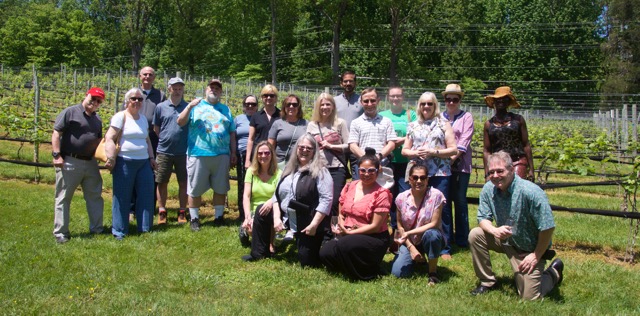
(360, 213)
(408, 211)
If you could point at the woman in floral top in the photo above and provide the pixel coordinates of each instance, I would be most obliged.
(431, 142)
(362, 231)
(420, 225)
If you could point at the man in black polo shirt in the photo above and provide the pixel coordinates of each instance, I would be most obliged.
(76, 135)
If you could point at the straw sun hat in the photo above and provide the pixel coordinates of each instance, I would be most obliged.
(453, 89)
(502, 92)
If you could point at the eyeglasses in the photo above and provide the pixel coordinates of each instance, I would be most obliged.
(269, 96)
(264, 153)
(496, 171)
(450, 100)
(370, 101)
(250, 104)
(305, 148)
(367, 170)
(427, 103)
(293, 104)
(96, 100)
(138, 99)
(395, 96)
(502, 100)
(421, 178)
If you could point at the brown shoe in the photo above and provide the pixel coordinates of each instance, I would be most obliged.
(162, 217)
(182, 217)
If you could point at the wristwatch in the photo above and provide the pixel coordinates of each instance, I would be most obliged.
(55, 154)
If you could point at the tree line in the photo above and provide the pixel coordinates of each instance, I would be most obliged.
(576, 53)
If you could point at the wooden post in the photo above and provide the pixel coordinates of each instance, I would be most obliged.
(115, 102)
(634, 135)
(625, 128)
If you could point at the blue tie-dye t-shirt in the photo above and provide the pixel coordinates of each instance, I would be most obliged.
(209, 129)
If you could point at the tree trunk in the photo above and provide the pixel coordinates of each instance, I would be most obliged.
(395, 42)
(273, 42)
(335, 43)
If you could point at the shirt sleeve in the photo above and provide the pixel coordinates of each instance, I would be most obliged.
(354, 133)
(466, 132)
(484, 208)
(61, 121)
(382, 204)
(273, 131)
(116, 120)
(157, 120)
(391, 132)
(344, 133)
(325, 188)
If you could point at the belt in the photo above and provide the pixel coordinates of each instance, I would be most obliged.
(79, 156)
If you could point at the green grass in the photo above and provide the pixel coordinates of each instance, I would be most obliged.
(173, 270)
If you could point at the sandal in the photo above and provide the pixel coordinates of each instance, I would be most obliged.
(433, 278)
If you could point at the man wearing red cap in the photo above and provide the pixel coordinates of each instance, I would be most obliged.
(76, 135)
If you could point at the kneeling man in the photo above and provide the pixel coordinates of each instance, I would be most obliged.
(523, 231)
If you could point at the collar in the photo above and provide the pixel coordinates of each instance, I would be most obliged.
(445, 114)
(371, 119)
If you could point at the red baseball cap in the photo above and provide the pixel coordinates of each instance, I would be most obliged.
(96, 92)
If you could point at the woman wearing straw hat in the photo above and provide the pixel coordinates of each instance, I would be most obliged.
(507, 131)
(462, 125)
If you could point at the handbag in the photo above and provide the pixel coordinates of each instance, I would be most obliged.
(303, 214)
(101, 153)
(339, 157)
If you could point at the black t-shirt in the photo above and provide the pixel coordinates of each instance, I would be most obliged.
(262, 124)
(81, 133)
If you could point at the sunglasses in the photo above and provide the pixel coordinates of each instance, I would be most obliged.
(138, 99)
(367, 170)
(250, 104)
(422, 178)
(371, 101)
(96, 100)
(264, 153)
(427, 103)
(450, 100)
(293, 104)
(305, 148)
(268, 96)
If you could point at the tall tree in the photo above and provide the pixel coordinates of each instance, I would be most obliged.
(622, 49)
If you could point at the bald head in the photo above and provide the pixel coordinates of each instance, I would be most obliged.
(147, 76)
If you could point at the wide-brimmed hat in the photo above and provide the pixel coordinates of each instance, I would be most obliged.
(453, 88)
(502, 92)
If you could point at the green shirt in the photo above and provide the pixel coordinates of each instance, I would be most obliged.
(400, 122)
(261, 191)
(523, 201)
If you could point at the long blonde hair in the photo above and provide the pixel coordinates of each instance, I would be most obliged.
(255, 164)
(316, 116)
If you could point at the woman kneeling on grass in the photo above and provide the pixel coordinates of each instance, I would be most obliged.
(259, 184)
(305, 192)
(363, 236)
(419, 225)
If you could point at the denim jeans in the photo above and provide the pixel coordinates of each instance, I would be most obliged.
(442, 184)
(431, 245)
(127, 175)
(401, 185)
(458, 194)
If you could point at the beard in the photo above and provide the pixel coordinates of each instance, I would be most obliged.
(212, 98)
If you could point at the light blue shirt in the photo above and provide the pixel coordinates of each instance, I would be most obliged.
(210, 127)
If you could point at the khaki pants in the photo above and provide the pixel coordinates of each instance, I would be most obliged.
(530, 286)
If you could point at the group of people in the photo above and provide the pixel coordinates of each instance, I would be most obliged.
(292, 176)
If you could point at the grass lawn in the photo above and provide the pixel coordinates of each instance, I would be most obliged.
(173, 270)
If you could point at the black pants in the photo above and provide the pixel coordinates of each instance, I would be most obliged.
(357, 256)
(240, 171)
(261, 234)
(339, 176)
(309, 248)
